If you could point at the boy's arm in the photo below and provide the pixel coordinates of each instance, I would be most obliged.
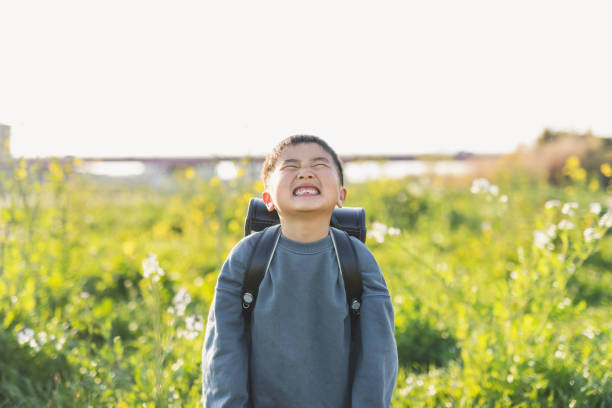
(376, 361)
(225, 352)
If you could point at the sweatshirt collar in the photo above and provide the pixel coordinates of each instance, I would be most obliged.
(305, 247)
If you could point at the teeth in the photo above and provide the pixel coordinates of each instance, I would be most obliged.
(305, 190)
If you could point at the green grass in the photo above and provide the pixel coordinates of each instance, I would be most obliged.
(484, 318)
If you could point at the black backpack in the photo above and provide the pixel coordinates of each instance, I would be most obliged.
(345, 221)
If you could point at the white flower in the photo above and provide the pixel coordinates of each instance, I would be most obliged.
(177, 365)
(34, 344)
(394, 231)
(180, 301)
(379, 226)
(595, 208)
(566, 224)
(150, 267)
(564, 303)
(552, 203)
(606, 220)
(540, 239)
(189, 335)
(568, 208)
(590, 234)
(552, 231)
(25, 335)
(503, 199)
(480, 185)
(60, 343)
(589, 333)
(42, 337)
(194, 323)
(379, 230)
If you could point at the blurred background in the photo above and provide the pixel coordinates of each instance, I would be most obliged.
(476, 135)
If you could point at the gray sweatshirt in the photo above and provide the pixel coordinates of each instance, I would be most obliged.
(300, 333)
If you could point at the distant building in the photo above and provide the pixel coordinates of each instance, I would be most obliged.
(5, 141)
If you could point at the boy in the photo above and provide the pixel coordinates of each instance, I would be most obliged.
(300, 336)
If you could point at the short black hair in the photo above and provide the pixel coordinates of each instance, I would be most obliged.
(272, 157)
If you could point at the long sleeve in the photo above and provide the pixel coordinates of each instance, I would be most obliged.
(225, 351)
(376, 362)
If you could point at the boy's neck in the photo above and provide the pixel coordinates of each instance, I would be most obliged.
(305, 230)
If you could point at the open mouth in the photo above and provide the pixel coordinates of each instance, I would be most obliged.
(306, 191)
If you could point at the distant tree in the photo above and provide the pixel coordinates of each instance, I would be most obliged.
(553, 148)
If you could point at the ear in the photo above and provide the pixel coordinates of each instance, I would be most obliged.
(267, 199)
(341, 197)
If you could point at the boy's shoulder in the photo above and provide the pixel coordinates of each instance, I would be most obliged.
(364, 255)
(372, 277)
(243, 249)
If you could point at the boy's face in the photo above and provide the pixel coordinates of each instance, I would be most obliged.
(305, 180)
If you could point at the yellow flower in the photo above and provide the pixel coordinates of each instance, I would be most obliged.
(77, 161)
(189, 173)
(128, 247)
(210, 208)
(196, 216)
(578, 174)
(234, 226)
(606, 169)
(572, 162)
(56, 170)
(160, 229)
(214, 226)
(21, 174)
(214, 181)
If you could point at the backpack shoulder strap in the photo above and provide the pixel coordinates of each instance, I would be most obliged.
(258, 264)
(349, 266)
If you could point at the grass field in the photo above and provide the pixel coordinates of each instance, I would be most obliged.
(501, 287)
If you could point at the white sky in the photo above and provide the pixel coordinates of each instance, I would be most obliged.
(128, 77)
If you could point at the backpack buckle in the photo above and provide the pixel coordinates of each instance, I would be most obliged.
(247, 300)
(355, 306)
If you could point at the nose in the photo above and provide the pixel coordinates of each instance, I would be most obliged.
(305, 175)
